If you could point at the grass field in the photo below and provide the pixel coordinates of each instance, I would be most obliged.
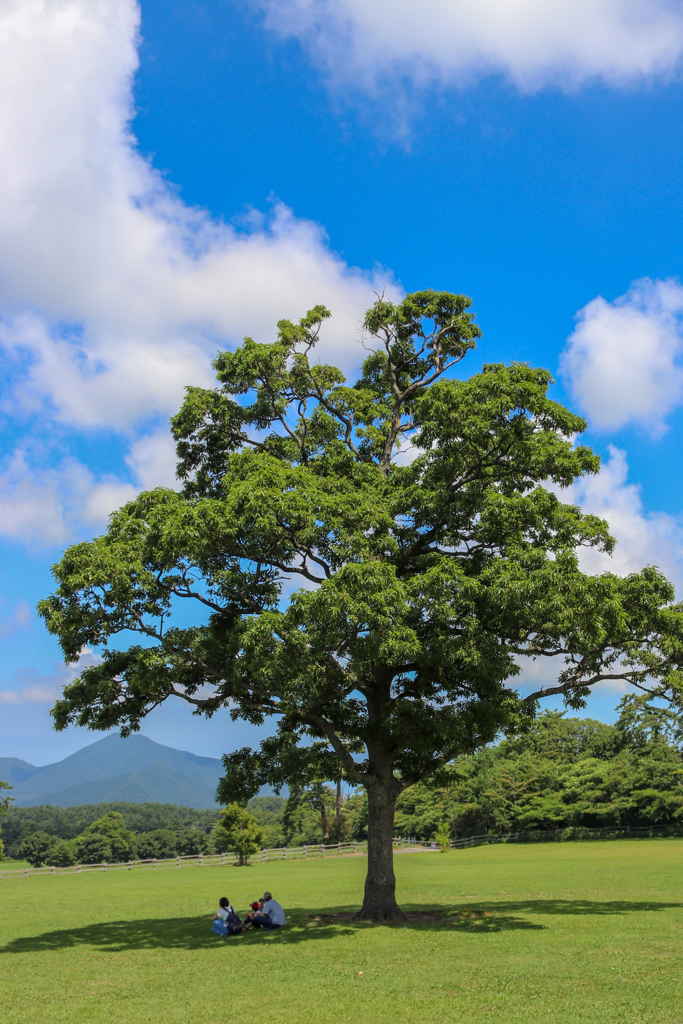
(565, 932)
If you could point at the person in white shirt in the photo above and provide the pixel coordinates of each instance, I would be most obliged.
(272, 915)
(226, 920)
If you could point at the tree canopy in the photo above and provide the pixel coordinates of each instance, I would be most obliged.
(418, 512)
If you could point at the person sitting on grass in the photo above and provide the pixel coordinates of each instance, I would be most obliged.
(255, 908)
(271, 916)
(225, 920)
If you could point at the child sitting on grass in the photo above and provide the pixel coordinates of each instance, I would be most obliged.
(225, 920)
(256, 907)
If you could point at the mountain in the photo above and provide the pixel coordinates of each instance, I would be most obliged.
(156, 784)
(16, 771)
(135, 769)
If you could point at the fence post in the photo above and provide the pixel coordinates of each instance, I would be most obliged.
(304, 851)
(154, 862)
(25, 872)
(201, 861)
(52, 869)
(264, 855)
(104, 865)
(177, 862)
(284, 853)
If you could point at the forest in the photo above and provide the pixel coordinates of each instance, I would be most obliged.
(560, 773)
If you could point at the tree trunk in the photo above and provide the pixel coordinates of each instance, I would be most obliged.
(323, 819)
(338, 810)
(379, 903)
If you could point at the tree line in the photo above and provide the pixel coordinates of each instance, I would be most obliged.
(561, 773)
(108, 838)
(67, 823)
(558, 773)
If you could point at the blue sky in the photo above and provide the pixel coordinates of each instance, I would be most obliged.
(177, 176)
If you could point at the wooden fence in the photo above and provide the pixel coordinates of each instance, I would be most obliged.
(349, 849)
(211, 860)
(572, 834)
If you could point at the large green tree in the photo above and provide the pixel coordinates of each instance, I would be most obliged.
(425, 581)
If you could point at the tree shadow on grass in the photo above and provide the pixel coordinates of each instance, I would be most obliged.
(194, 933)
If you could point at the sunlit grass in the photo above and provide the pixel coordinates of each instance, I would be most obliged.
(9, 864)
(570, 932)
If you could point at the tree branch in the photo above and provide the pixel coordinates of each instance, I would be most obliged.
(198, 597)
(301, 571)
(323, 726)
(551, 691)
(194, 700)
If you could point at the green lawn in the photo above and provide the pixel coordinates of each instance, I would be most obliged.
(569, 932)
(13, 865)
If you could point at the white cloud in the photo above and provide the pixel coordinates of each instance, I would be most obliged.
(643, 538)
(20, 618)
(533, 43)
(622, 362)
(47, 506)
(152, 460)
(29, 687)
(37, 693)
(114, 294)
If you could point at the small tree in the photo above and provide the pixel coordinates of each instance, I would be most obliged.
(428, 581)
(442, 837)
(238, 831)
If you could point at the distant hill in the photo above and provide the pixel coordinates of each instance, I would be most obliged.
(135, 770)
(15, 771)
